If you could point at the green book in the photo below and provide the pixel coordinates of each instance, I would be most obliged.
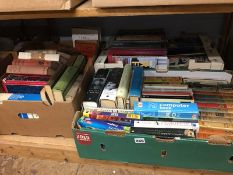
(65, 82)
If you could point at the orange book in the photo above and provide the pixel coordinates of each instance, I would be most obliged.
(20, 62)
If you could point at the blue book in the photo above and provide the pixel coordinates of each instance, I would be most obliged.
(179, 111)
(25, 97)
(136, 85)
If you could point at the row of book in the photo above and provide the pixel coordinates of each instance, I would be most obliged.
(152, 50)
(36, 75)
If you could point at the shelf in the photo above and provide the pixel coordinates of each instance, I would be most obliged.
(63, 149)
(86, 10)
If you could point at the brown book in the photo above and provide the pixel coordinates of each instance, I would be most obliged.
(31, 63)
(34, 70)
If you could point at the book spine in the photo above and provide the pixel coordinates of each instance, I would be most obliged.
(206, 136)
(217, 119)
(110, 90)
(100, 61)
(166, 124)
(123, 89)
(136, 85)
(214, 105)
(166, 100)
(39, 55)
(165, 132)
(34, 70)
(216, 124)
(69, 76)
(215, 114)
(31, 63)
(215, 131)
(218, 110)
(162, 80)
(74, 88)
(95, 88)
(125, 111)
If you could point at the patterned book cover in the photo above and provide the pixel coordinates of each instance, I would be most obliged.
(109, 94)
(95, 88)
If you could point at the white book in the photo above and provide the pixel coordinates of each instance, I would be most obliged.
(192, 74)
(123, 89)
(163, 124)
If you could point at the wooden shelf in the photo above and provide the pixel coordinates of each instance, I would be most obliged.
(86, 10)
(63, 149)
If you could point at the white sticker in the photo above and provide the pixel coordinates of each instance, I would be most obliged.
(139, 140)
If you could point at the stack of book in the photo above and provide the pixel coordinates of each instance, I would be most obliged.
(32, 70)
(147, 49)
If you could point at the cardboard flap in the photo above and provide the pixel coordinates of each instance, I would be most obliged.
(170, 140)
(219, 140)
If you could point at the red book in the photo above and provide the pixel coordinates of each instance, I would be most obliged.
(134, 52)
(214, 105)
(87, 48)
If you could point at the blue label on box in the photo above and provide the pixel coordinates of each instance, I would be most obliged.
(187, 111)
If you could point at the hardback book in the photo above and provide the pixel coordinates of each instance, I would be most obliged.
(123, 89)
(162, 80)
(25, 84)
(65, 82)
(213, 75)
(184, 111)
(217, 119)
(215, 131)
(87, 48)
(174, 100)
(39, 55)
(74, 89)
(216, 114)
(108, 97)
(215, 105)
(20, 62)
(207, 136)
(134, 52)
(165, 86)
(136, 85)
(34, 70)
(217, 125)
(95, 89)
(101, 62)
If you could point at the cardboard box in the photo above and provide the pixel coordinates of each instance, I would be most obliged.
(127, 3)
(37, 5)
(213, 154)
(53, 120)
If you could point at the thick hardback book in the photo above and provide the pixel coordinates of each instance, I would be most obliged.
(31, 84)
(109, 94)
(46, 55)
(136, 85)
(184, 111)
(134, 52)
(74, 88)
(65, 82)
(123, 89)
(31, 62)
(165, 132)
(95, 89)
(87, 48)
(34, 70)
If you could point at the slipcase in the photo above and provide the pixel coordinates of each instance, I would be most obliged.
(53, 120)
(212, 154)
